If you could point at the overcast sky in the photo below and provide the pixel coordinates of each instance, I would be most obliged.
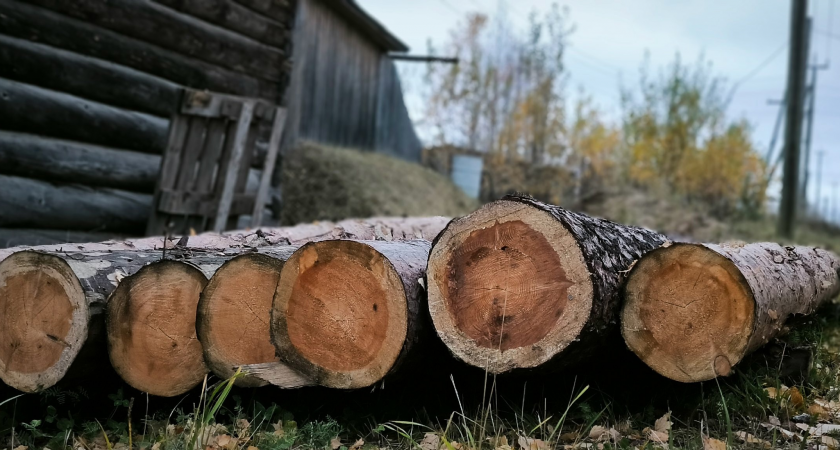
(743, 38)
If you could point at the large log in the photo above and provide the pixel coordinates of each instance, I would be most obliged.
(169, 29)
(280, 11)
(54, 160)
(86, 77)
(519, 283)
(85, 276)
(31, 109)
(235, 17)
(37, 204)
(348, 313)
(692, 311)
(41, 25)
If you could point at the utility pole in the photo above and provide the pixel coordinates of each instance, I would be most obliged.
(797, 64)
(834, 202)
(820, 154)
(811, 93)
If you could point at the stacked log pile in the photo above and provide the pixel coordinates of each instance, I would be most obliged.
(516, 285)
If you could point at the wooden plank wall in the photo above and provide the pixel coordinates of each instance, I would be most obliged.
(344, 89)
(86, 91)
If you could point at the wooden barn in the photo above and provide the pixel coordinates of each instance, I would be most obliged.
(88, 87)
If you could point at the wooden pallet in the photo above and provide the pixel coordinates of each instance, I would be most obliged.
(204, 172)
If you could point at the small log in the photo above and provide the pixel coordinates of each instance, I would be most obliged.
(32, 156)
(347, 313)
(233, 314)
(519, 283)
(692, 311)
(235, 17)
(30, 109)
(86, 77)
(45, 320)
(152, 342)
(37, 204)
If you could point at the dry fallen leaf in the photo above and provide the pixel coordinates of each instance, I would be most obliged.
(532, 444)
(710, 443)
(796, 399)
(335, 443)
(830, 442)
(598, 433)
(658, 437)
(819, 412)
(21, 447)
(431, 441)
(358, 445)
(615, 436)
(747, 438)
(570, 436)
(251, 447)
(663, 424)
(156, 446)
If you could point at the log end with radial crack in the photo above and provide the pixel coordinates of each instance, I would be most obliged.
(341, 313)
(152, 340)
(508, 287)
(44, 320)
(234, 313)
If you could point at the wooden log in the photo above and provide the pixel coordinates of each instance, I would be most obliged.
(520, 284)
(280, 11)
(235, 17)
(692, 311)
(151, 329)
(99, 268)
(169, 29)
(40, 25)
(86, 77)
(37, 204)
(30, 109)
(38, 157)
(347, 313)
(16, 237)
(233, 314)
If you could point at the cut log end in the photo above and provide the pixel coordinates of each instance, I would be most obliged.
(234, 313)
(45, 320)
(152, 339)
(508, 287)
(339, 314)
(688, 313)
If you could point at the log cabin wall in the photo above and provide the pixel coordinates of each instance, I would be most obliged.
(86, 91)
(344, 89)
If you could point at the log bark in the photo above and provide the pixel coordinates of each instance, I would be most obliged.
(692, 311)
(30, 109)
(520, 283)
(86, 77)
(99, 268)
(348, 313)
(41, 25)
(37, 204)
(31, 156)
(169, 29)
(235, 17)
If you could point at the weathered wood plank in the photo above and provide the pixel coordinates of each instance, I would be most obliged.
(28, 203)
(86, 77)
(31, 109)
(40, 25)
(167, 28)
(57, 160)
(235, 17)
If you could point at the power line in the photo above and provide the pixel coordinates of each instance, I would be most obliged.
(760, 67)
(452, 8)
(830, 35)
